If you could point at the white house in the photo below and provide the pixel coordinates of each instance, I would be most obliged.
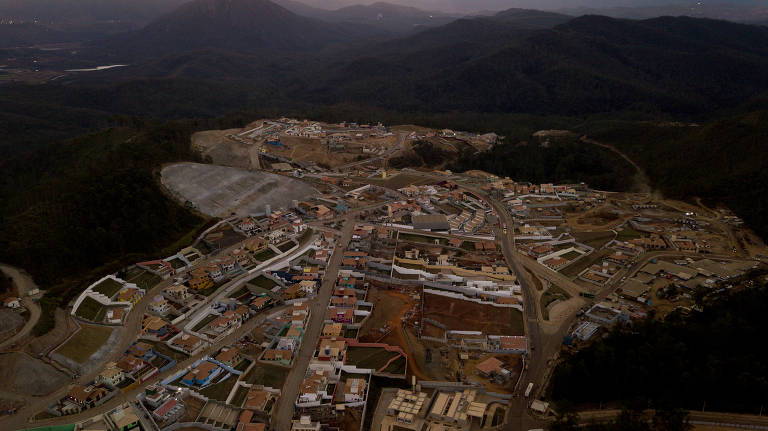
(12, 302)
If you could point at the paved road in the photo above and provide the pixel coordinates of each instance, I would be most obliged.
(281, 419)
(400, 140)
(25, 284)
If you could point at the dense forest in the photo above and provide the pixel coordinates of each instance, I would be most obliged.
(713, 360)
(662, 419)
(721, 162)
(74, 210)
(561, 161)
(6, 283)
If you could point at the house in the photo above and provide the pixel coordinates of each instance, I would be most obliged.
(229, 356)
(314, 388)
(305, 424)
(308, 286)
(202, 374)
(342, 315)
(293, 292)
(12, 302)
(159, 305)
(226, 321)
(331, 349)
(131, 364)
(155, 395)
(115, 315)
(490, 367)
(228, 264)
(187, 343)
(214, 271)
(178, 292)
(514, 344)
(275, 355)
(242, 312)
(156, 326)
(261, 302)
(141, 350)
(86, 395)
(256, 400)
(333, 330)
(200, 283)
(111, 375)
(247, 225)
(129, 294)
(287, 343)
(354, 390)
(169, 411)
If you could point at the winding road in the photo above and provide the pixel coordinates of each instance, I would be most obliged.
(25, 284)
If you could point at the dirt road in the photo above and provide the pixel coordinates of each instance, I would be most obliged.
(25, 284)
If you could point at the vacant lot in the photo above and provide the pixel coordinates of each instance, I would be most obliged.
(459, 315)
(146, 280)
(551, 295)
(90, 309)
(23, 374)
(594, 239)
(388, 307)
(401, 180)
(369, 357)
(219, 191)
(267, 375)
(108, 287)
(85, 343)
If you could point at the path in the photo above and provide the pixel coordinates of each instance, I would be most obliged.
(642, 178)
(25, 284)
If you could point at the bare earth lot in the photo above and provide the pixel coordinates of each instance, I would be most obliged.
(469, 316)
(23, 374)
(219, 191)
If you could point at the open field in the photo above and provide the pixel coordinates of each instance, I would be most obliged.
(400, 180)
(220, 391)
(388, 308)
(461, 315)
(595, 239)
(108, 287)
(575, 268)
(267, 375)
(146, 280)
(85, 343)
(220, 191)
(90, 309)
(369, 357)
(24, 374)
(551, 295)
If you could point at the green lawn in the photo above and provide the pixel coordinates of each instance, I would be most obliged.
(85, 343)
(627, 233)
(422, 238)
(265, 255)
(305, 236)
(286, 246)
(146, 280)
(163, 349)
(369, 357)
(267, 375)
(90, 309)
(552, 294)
(208, 319)
(240, 395)
(263, 282)
(108, 287)
(397, 366)
(220, 391)
(517, 322)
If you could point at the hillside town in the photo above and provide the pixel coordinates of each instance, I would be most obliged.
(332, 292)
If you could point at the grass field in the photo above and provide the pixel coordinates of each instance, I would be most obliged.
(267, 375)
(575, 268)
(265, 255)
(220, 391)
(240, 395)
(552, 294)
(85, 343)
(146, 280)
(286, 246)
(369, 357)
(163, 349)
(208, 319)
(627, 233)
(594, 239)
(305, 236)
(262, 282)
(108, 287)
(90, 309)
(422, 238)
(516, 322)
(571, 255)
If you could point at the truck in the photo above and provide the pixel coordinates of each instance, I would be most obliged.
(587, 294)
(528, 390)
